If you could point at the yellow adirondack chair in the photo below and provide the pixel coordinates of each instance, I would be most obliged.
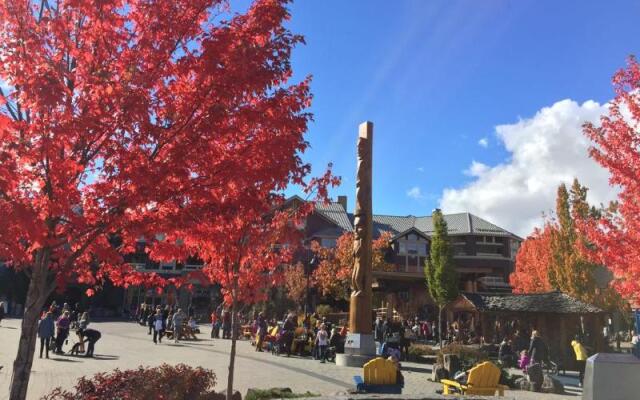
(380, 371)
(482, 380)
(380, 376)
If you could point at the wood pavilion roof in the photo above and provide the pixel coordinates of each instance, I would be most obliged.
(550, 302)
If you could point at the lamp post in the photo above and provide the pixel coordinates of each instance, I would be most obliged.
(308, 270)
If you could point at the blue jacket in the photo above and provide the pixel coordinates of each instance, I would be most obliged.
(46, 327)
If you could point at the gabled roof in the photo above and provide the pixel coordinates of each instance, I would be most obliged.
(334, 212)
(458, 224)
(550, 302)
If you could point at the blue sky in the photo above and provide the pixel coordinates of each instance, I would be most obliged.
(437, 77)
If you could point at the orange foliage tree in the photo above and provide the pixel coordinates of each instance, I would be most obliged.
(532, 263)
(295, 282)
(332, 277)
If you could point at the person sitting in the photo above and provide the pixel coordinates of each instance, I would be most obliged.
(193, 325)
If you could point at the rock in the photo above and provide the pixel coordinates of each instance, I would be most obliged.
(438, 372)
(523, 383)
(223, 395)
(552, 385)
(535, 377)
(452, 363)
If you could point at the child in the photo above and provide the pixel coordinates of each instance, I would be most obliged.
(524, 361)
(322, 340)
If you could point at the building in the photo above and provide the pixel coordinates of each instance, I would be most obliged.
(484, 253)
(200, 297)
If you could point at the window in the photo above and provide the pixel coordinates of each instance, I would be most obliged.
(490, 250)
(402, 248)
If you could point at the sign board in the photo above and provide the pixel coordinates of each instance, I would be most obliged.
(352, 341)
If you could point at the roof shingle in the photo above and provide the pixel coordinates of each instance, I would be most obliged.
(551, 302)
(458, 224)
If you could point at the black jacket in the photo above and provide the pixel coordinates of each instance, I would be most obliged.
(538, 350)
(91, 335)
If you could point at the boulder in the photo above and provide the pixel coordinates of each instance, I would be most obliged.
(223, 395)
(438, 372)
(523, 384)
(552, 385)
(535, 377)
(452, 363)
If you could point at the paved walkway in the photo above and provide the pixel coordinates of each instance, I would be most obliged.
(127, 345)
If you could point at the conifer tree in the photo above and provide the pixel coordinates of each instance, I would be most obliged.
(442, 278)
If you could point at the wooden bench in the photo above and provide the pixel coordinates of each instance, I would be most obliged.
(482, 380)
(380, 376)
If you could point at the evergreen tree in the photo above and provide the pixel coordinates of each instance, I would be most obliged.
(442, 278)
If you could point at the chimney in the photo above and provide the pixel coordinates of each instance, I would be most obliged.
(343, 201)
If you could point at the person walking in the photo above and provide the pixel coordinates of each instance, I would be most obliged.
(538, 349)
(322, 341)
(214, 323)
(581, 357)
(261, 330)
(1, 311)
(288, 329)
(46, 329)
(151, 317)
(226, 325)
(178, 319)
(378, 334)
(91, 336)
(62, 333)
(158, 327)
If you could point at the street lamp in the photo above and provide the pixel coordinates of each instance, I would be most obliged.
(308, 270)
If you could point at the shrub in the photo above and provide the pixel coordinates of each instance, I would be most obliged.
(469, 356)
(323, 309)
(166, 382)
(421, 350)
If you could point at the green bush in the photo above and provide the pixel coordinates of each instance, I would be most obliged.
(469, 356)
(323, 309)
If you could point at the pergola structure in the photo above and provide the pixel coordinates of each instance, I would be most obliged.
(557, 316)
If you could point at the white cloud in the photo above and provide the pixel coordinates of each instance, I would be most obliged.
(420, 169)
(415, 193)
(476, 169)
(546, 150)
(484, 142)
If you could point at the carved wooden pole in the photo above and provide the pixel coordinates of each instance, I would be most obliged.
(360, 306)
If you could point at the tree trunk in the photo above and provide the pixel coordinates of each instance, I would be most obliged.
(440, 326)
(232, 354)
(36, 296)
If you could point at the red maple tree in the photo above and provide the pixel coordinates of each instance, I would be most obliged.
(617, 147)
(129, 118)
(533, 260)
